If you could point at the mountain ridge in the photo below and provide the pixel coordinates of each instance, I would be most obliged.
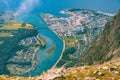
(106, 46)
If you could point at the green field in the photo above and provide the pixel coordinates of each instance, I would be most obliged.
(13, 25)
(5, 34)
(70, 41)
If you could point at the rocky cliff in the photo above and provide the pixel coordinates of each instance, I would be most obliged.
(106, 46)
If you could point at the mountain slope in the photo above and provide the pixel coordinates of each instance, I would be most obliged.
(107, 71)
(105, 49)
(106, 46)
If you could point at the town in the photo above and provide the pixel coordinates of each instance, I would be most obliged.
(78, 30)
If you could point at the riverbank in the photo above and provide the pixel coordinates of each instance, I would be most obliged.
(52, 40)
(62, 39)
(61, 53)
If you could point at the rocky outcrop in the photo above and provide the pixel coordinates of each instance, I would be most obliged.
(107, 71)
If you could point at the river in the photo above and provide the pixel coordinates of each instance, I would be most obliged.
(46, 61)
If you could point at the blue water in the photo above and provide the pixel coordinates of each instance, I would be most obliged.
(46, 61)
(53, 7)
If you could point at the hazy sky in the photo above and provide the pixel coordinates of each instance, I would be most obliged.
(52, 6)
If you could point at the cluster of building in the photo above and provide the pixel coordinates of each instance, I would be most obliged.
(78, 20)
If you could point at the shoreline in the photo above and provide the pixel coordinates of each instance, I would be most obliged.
(54, 66)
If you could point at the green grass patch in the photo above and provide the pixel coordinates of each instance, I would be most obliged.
(70, 41)
(5, 34)
(29, 26)
(11, 26)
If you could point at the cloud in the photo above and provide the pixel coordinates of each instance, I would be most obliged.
(27, 6)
